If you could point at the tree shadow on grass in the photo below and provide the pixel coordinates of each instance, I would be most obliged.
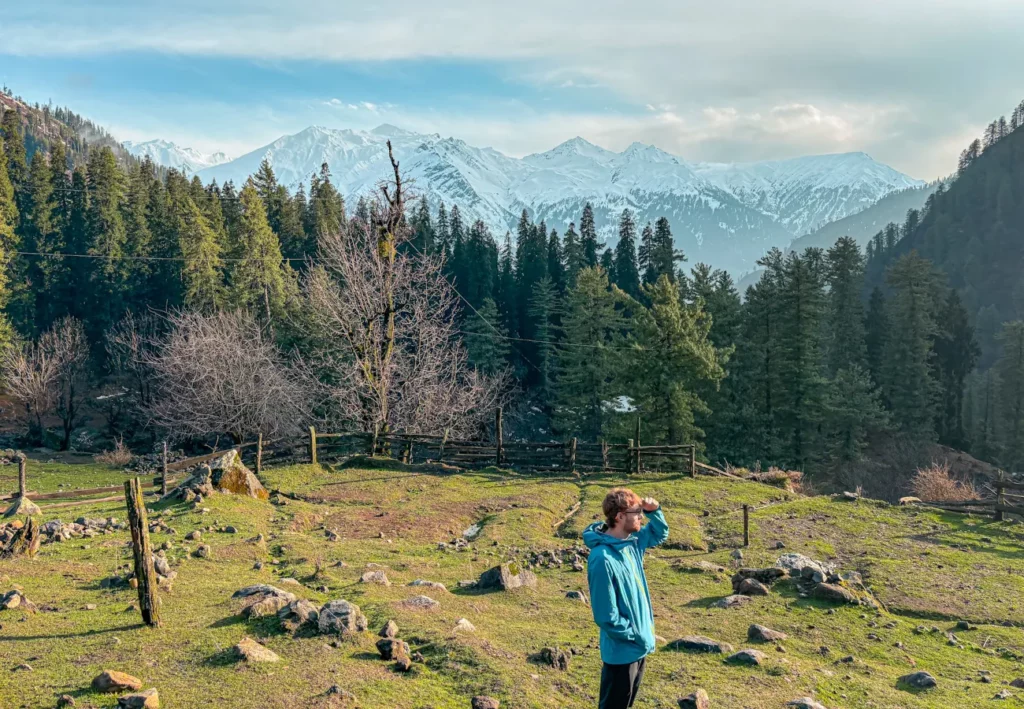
(83, 634)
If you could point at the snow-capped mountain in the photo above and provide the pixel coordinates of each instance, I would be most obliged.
(166, 153)
(724, 214)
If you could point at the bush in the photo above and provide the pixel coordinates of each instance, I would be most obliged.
(936, 483)
(120, 455)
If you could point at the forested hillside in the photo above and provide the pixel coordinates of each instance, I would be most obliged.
(805, 372)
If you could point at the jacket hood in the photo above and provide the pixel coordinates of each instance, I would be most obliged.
(594, 536)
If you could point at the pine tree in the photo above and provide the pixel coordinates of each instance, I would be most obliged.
(457, 264)
(956, 354)
(556, 263)
(14, 147)
(573, 251)
(607, 261)
(541, 312)
(876, 332)
(907, 381)
(326, 206)
(443, 233)
(8, 242)
(107, 238)
(985, 415)
(202, 270)
(480, 259)
(261, 281)
(138, 235)
(486, 340)
(588, 236)
(627, 274)
(1010, 370)
(29, 296)
(676, 360)
(845, 338)
(645, 255)
(507, 290)
(852, 411)
(589, 358)
(422, 238)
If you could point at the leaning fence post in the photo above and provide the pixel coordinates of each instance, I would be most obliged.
(999, 496)
(259, 453)
(145, 574)
(22, 476)
(373, 441)
(604, 454)
(163, 479)
(693, 461)
(407, 456)
(639, 464)
(312, 445)
(498, 438)
(572, 455)
(629, 457)
(746, 525)
(444, 440)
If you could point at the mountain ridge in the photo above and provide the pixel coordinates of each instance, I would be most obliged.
(727, 214)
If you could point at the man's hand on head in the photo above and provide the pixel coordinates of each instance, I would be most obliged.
(649, 504)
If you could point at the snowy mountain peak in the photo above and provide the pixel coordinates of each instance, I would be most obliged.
(167, 154)
(727, 215)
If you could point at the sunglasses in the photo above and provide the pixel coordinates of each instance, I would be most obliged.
(633, 512)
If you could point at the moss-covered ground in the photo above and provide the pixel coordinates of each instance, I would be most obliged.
(926, 569)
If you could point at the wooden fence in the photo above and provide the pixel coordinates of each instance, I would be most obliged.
(1003, 503)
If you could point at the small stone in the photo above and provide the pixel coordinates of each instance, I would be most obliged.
(699, 643)
(90, 606)
(737, 554)
(378, 577)
(390, 630)
(341, 617)
(918, 680)
(759, 633)
(1018, 683)
(148, 699)
(249, 650)
(733, 601)
(66, 700)
(484, 703)
(1003, 694)
(113, 681)
(391, 648)
(464, 626)
(230, 530)
(204, 551)
(298, 614)
(752, 587)
(194, 536)
(577, 596)
(964, 625)
(746, 657)
(421, 603)
(23, 667)
(696, 700)
(556, 657)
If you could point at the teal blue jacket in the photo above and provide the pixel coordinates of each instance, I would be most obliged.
(618, 589)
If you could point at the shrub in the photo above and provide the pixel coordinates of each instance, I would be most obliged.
(120, 455)
(936, 483)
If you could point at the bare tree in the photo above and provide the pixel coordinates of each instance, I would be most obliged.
(219, 374)
(384, 325)
(68, 346)
(127, 342)
(29, 374)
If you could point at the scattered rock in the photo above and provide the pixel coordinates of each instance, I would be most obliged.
(917, 680)
(194, 536)
(229, 474)
(507, 576)
(390, 648)
(1018, 683)
(701, 567)
(964, 625)
(421, 603)
(746, 657)
(737, 554)
(484, 703)
(699, 643)
(752, 587)
(114, 681)
(577, 596)
(763, 576)
(378, 577)
(733, 601)
(249, 650)
(847, 497)
(805, 703)
(148, 699)
(697, 700)
(23, 667)
(556, 657)
(203, 551)
(1003, 694)
(909, 500)
(835, 592)
(162, 566)
(341, 618)
(298, 614)
(16, 599)
(66, 700)
(760, 633)
(335, 690)
(229, 530)
(464, 626)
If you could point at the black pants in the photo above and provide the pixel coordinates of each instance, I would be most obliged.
(620, 684)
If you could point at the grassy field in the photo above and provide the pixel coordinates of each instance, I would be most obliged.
(927, 569)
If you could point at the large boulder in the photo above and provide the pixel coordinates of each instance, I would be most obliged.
(507, 576)
(762, 634)
(249, 650)
(765, 577)
(917, 680)
(114, 681)
(261, 600)
(699, 643)
(341, 618)
(22, 507)
(229, 474)
(697, 700)
(148, 699)
(298, 615)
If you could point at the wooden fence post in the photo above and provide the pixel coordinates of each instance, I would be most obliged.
(999, 496)
(145, 574)
(693, 461)
(639, 464)
(312, 445)
(407, 456)
(572, 455)
(163, 479)
(373, 441)
(444, 440)
(604, 454)
(499, 438)
(259, 453)
(629, 457)
(22, 476)
(746, 525)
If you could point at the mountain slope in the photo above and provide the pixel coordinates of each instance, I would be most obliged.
(727, 215)
(166, 153)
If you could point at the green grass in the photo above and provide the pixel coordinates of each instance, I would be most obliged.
(927, 569)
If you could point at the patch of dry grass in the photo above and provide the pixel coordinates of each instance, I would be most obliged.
(120, 455)
(936, 483)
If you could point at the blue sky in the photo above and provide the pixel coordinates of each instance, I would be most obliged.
(908, 81)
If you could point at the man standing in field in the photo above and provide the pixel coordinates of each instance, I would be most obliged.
(618, 591)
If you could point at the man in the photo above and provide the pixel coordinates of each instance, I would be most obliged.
(618, 591)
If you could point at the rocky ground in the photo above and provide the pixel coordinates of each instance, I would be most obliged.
(379, 585)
